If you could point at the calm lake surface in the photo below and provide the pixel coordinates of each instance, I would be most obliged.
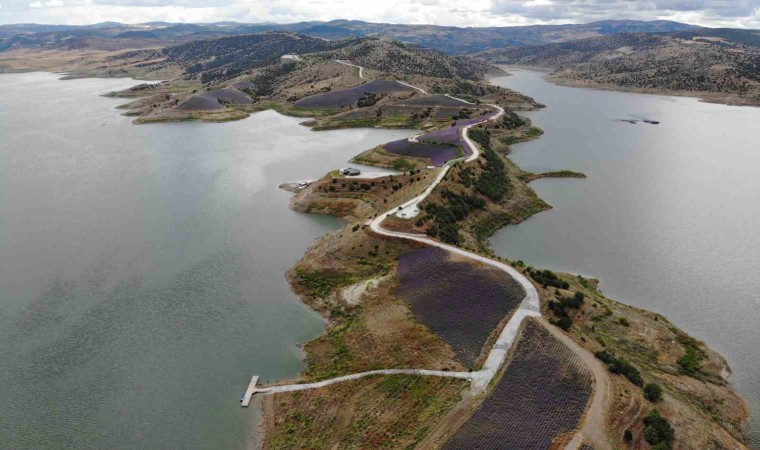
(142, 267)
(668, 218)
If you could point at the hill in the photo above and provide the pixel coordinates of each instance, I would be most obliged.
(228, 78)
(225, 58)
(450, 40)
(718, 64)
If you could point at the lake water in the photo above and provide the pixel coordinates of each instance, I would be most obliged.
(142, 267)
(668, 218)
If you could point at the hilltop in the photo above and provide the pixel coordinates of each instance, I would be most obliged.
(227, 57)
(716, 64)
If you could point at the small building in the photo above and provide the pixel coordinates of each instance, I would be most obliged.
(351, 172)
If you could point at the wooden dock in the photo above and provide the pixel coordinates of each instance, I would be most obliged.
(251, 390)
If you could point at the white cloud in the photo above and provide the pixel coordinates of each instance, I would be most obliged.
(737, 13)
(38, 4)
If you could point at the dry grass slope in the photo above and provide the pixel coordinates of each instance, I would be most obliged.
(390, 412)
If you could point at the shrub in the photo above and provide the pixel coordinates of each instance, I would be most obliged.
(446, 216)
(492, 182)
(565, 323)
(318, 285)
(547, 278)
(628, 436)
(653, 392)
(689, 362)
(402, 165)
(658, 432)
(620, 366)
(624, 322)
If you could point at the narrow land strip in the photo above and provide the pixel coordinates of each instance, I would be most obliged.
(593, 427)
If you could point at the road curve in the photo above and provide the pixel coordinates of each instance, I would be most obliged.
(593, 425)
(529, 307)
(346, 63)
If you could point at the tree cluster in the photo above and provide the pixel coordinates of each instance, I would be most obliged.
(621, 366)
(446, 216)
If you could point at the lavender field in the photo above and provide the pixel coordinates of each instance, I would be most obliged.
(214, 100)
(542, 394)
(438, 153)
(430, 144)
(349, 97)
(460, 302)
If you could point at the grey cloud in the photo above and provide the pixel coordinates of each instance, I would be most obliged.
(621, 9)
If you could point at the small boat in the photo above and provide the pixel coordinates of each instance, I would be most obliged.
(242, 397)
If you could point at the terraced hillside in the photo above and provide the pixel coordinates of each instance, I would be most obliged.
(539, 399)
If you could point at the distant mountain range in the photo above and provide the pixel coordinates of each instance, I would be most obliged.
(706, 60)
(658, 55)
(450, 40)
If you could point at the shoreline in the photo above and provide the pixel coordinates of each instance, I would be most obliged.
(719, 98)
(724, 365)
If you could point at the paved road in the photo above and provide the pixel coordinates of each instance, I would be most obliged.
(346, 63)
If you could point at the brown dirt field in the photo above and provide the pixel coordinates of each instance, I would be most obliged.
(379, 333)
(315, 79)
(376, 412)
(359, 199)
(380, 158)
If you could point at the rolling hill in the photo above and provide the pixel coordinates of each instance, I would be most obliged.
(446, 39)
(705, 62)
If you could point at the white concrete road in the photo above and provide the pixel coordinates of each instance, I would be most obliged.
(496, 357)
(529, 307)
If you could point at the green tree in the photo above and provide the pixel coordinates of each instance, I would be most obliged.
(653, 392)
(658, 432)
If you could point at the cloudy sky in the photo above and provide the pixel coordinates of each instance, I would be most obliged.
(731, 13)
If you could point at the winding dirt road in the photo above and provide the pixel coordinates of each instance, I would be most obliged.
(593, 425)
